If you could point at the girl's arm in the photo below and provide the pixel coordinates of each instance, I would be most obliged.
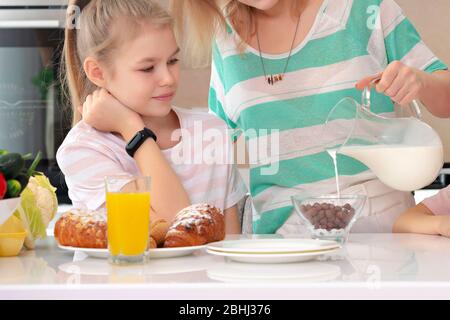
(105, 113)
(232, 225)
(420, 219)
(167, 193)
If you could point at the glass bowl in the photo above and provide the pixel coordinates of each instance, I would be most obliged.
(329, 217)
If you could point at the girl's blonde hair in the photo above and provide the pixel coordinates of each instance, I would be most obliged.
(206, 18)
(92, 30)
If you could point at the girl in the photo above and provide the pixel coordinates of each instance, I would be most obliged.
(123, 62)
(432, 216)
(279, 67)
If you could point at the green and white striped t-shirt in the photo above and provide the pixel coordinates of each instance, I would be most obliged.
(350, 39)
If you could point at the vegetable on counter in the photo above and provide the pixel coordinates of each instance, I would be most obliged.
(14, 188)
(38, 207)
(3, 186)
(15, 174)
(38, 203)
(11, 164)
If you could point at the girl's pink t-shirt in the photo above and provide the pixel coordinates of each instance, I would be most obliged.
(203, 160)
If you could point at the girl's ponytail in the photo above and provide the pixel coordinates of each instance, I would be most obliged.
(72, 75)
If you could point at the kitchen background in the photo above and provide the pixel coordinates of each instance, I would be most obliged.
(33, 117)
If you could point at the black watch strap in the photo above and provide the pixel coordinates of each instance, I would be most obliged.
(138, 140)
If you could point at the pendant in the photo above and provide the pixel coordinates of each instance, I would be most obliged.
(272, 79)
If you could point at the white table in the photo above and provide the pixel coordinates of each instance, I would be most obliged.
(371, 266)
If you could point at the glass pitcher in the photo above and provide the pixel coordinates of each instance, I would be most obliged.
(405, 153)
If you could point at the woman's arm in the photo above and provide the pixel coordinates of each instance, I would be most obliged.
(419, 219)
(232, 224)
(436, 92)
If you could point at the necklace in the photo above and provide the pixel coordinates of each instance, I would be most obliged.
(272, 79)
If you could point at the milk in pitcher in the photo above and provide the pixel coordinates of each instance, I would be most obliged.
(401, 167)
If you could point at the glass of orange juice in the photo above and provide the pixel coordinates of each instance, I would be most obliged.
(128, 216)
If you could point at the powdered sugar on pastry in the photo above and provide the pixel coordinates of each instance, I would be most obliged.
(194, 215)
(196, 225)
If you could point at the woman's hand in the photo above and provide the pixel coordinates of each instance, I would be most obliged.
(104, 112)
(399, 82)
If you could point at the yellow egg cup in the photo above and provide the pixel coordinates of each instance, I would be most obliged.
(12, 237)
(11, 243)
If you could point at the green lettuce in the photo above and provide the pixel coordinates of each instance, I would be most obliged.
(38, 207)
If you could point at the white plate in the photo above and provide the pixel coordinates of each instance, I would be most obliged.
(272, 246)
(94, 253)
(272, 257)
(173, 252)
(159, 253)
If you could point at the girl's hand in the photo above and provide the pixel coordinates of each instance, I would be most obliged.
(105, 113)
(398, 81)
(444, 226)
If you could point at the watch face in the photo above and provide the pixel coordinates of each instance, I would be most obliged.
(135, 141)
(138, 140)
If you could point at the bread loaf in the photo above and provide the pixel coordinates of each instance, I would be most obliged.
(196, 225)
(82, 229)
(193, 226)
(88, 229)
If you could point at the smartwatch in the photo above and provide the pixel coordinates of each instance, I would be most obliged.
(138, 139)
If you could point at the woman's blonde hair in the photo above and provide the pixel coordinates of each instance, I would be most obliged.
(206, 18)
(92, 30)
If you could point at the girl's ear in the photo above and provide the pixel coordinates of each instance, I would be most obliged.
(94, 72)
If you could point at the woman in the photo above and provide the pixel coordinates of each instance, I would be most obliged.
(278, 68)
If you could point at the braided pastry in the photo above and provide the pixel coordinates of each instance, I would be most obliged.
(196, 225)
(77, 228)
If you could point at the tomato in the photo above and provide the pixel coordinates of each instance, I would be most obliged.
(3, 186)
